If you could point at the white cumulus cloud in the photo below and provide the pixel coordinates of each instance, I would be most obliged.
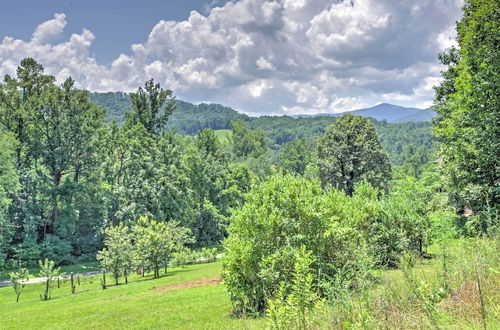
(267, 56)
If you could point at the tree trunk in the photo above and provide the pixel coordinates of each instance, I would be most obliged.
(47, 287)
(72, 284)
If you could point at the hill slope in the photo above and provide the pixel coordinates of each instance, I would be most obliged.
(189, 118)
(389, 112)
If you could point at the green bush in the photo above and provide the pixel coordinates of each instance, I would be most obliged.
(297, 303)
(281, 215)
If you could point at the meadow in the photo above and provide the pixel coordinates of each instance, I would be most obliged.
(138, 304)
(193, 297)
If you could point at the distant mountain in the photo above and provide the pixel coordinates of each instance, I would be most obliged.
(190, 118)
(389, 112)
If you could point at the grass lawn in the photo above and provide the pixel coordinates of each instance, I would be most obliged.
(134, 305)
(390, 303)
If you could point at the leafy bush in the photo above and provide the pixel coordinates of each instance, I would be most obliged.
(281, 215)
(296, 303)
(181, 257)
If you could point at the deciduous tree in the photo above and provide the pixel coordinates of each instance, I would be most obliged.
(350, 152)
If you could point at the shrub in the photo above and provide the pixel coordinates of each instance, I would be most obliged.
(281, 215)
(181, 257)
(296, 303)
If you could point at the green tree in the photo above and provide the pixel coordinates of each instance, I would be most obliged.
(9, 185)
(156, 241)
(19, 279)
(151, 106)
(118, 254)
(17, 96)
(468, 104)
(296, 155)
(350, 152)
(247, 142)
(65, 125)
(49, 272)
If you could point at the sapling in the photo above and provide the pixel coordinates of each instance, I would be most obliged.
(49, 271)
(19, 279)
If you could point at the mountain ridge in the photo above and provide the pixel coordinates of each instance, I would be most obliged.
(190, 118)
(385, 111)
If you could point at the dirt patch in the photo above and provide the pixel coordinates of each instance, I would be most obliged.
(206, 281)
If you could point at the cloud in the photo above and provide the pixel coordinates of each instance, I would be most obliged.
(261, 56)
(46, 31)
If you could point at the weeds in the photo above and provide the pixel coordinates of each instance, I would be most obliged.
(457, 289)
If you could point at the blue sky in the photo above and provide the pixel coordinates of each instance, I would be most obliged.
(117, 24)
(258, 56)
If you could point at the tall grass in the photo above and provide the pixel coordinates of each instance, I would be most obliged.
(458, 288)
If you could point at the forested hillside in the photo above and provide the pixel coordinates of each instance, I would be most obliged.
(197, 216)
(400, 140)
(67, 181)
(187, 118)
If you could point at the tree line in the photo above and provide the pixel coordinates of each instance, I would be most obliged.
(67, 175)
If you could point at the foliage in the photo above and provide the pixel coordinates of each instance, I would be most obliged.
(151, 106)
(9, 185)
(296, 155)
(350, 152)
(293, 306)
(182, 257)
(247, 142)
(468, 104)
(281, 215)
(49, 272)
(19, 279)
(118, 254)
(156, 241)
(443, 292)
(57, 249)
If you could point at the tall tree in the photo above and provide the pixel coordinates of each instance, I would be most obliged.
(468, 104)
(17, 96)
(65, 126)
(9, 185)
(247, 142)
(350, 152)
(151, 106)
(296, 155)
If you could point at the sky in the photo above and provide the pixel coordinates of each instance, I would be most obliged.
(257, 56)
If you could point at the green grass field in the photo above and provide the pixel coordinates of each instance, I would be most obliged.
(133, 305)
(191, 306)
